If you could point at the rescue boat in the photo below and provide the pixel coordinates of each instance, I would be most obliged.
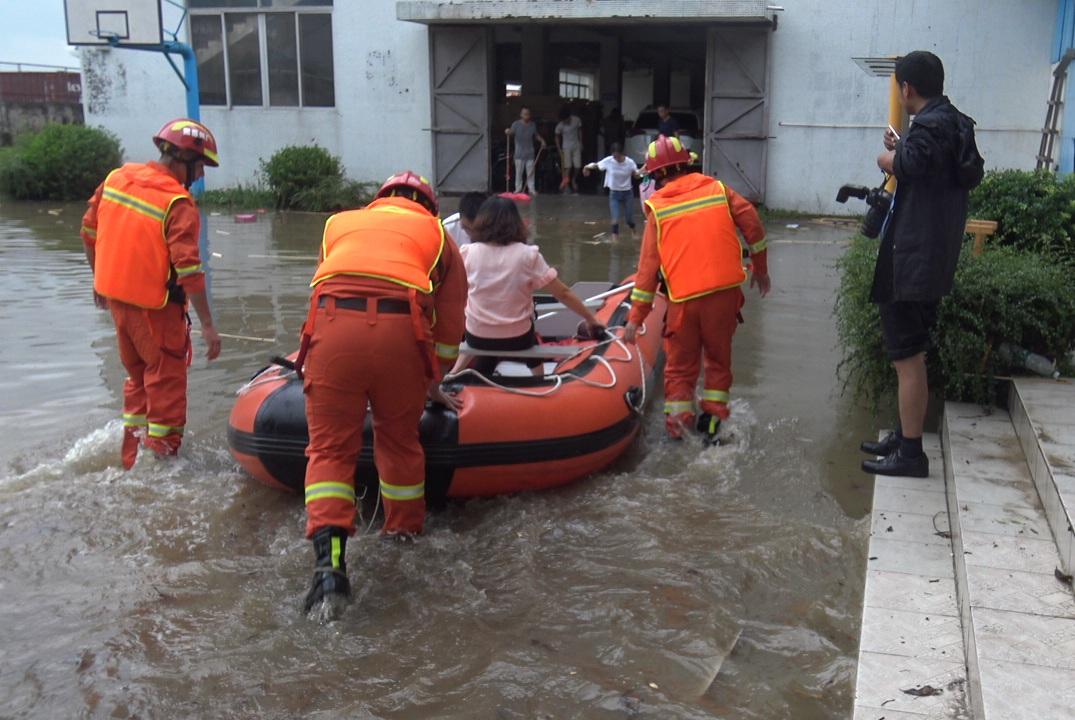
(515, 432)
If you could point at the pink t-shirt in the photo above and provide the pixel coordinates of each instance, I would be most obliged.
(502, 281)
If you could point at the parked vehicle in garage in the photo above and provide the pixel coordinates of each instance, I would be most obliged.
(645, 130)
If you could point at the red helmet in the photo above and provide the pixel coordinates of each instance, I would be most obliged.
(665, 152)
(419, 188)
(186, 134)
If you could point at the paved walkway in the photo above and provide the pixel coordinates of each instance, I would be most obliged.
(978, 622)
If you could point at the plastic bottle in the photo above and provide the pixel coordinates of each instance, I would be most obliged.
(1019, 357)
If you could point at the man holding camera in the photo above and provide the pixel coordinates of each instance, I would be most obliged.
(935, 164)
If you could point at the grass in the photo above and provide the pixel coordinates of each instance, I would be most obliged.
(245, 197)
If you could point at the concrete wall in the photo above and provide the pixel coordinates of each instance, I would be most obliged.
(18, 117)
(382, 102)
(996, 58)
(826, 115)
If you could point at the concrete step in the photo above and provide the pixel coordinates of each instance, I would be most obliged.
(1043, 413)
(910, 636)
(1018, 619)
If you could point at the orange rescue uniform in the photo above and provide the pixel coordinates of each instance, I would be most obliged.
(691, 241)
(141, 234)
(386, 318)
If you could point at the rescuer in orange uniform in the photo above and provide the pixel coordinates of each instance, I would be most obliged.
(141, 238)
(691, 242)
(386, 319)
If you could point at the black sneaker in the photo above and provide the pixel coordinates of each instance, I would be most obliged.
(898, 465)
(883, 447)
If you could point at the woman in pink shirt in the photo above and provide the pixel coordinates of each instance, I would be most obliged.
(503, 272)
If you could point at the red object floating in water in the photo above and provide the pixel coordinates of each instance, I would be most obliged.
(246, 217)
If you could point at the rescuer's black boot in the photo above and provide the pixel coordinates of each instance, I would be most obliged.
(330, 582)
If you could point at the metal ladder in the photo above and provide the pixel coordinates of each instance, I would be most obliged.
(1053, 113)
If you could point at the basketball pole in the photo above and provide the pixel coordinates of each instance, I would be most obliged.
(189, 78)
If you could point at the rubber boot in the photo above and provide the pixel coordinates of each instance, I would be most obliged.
(330, 573)
(709, 427)
(132, 436)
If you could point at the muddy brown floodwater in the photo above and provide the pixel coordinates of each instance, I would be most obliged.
(682, 583)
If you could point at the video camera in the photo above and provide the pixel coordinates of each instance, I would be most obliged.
(878, 199)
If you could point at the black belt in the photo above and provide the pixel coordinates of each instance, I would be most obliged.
(384, 305)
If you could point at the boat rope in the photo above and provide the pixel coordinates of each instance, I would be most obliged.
(558, 378)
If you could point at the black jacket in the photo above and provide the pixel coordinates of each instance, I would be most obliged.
(925, 228)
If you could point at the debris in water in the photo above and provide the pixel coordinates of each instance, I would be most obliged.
(924, 691)
(792, 226)
(599, 235)
(1062, 577)
(654, 686)
(217, 255)
(222, 232)
(57, 211)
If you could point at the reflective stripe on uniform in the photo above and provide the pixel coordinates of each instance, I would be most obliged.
(642, 296)
(88, 231)
(131, 420)
(448, 352)
(403, 492)
(157, 430)
(184, 271)
(675, 407)
(691, 206)
(337, 548)
(758, 246)
(720, 396)
(133, 203)
(325, 490)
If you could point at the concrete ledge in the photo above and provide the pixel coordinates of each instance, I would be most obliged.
(910, 635)
(1043, 413)
(1018, 620)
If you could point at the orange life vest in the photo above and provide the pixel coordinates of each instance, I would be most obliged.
(132, 262)
(696, 237)
(392, 239)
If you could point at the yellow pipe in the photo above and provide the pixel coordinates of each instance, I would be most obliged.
(896, 118)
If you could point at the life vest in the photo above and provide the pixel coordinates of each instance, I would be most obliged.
(696, 237)
(131, 252)
(391, 239)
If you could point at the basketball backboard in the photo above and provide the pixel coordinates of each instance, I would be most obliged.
(123, 22)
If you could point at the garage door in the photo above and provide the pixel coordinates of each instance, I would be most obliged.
(737, 112)
(459, 71)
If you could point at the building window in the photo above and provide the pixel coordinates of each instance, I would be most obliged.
(574, 84)
(276, 57)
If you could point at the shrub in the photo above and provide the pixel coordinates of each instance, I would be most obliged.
(62, 162)
(297, 168)
(1006, 294)
(1034, 210)
(334, 195)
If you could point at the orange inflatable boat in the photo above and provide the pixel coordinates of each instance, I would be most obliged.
(514, 432)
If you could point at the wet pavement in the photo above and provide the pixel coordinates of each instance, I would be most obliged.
(682, 583)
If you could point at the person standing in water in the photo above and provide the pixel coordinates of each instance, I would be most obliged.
(619, 171)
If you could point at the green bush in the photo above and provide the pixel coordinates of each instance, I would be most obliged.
(1021, 297)
(1034, 210)
(62, 162)
(334, 195)
(300, 168)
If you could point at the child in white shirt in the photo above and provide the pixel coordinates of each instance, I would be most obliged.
(619, 171)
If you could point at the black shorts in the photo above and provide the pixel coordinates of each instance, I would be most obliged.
(486, 364)
(906, 327)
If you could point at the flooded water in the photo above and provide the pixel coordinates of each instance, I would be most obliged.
(683, 583)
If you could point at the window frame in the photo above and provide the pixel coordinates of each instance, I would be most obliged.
(263, 53)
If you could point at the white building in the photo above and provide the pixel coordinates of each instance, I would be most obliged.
(422, 84)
